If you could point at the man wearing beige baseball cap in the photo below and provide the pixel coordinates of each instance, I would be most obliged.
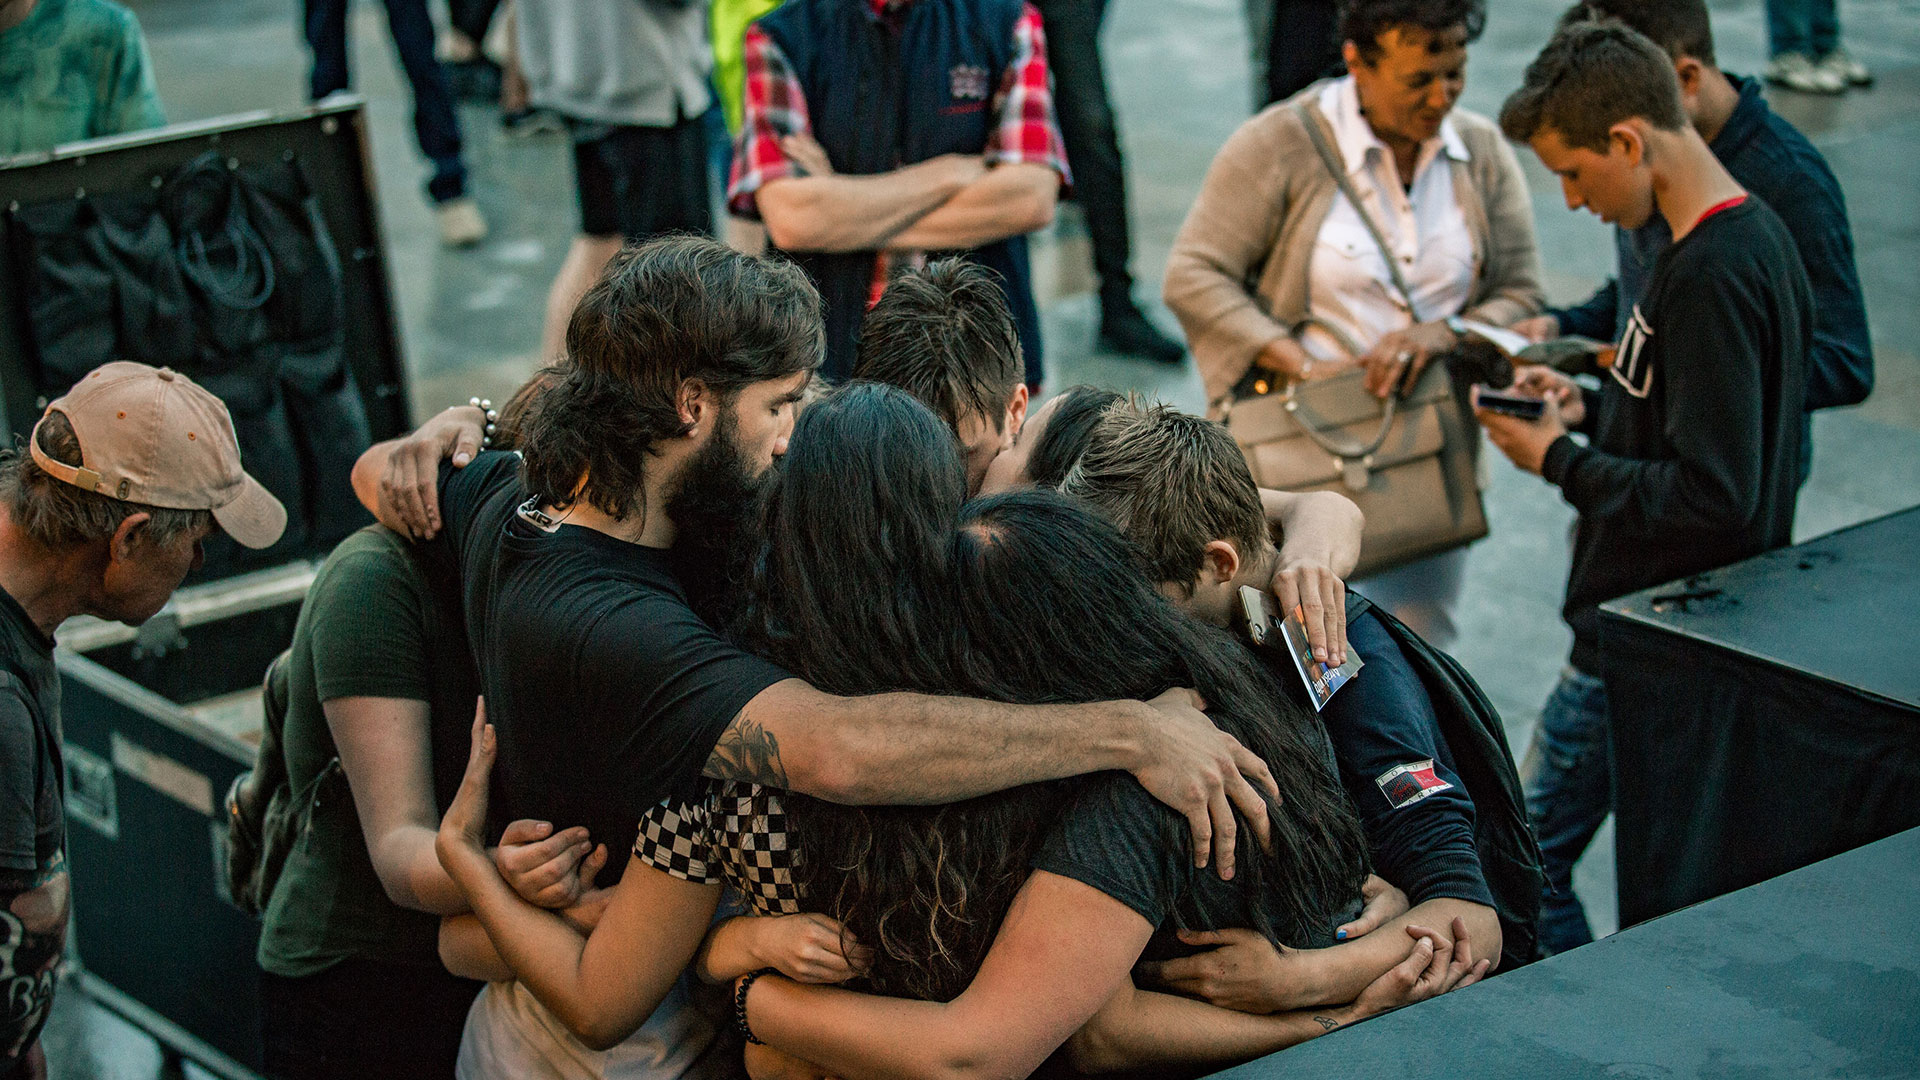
(103, 514)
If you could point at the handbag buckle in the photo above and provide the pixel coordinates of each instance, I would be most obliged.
(1356, 473)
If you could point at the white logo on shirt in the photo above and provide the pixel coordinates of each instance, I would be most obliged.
(1632, 367)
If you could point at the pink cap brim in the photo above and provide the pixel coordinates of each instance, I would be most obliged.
(255, 518)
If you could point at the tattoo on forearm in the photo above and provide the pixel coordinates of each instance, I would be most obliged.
(1326, 1022)
(747, 751)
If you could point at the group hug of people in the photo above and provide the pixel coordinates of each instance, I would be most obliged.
(693, 713)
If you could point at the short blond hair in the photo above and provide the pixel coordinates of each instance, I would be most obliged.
(1172, 483)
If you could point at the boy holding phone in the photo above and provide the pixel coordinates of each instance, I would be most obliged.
(1694, 452)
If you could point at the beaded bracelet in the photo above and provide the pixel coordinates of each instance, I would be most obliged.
(740, 1005)
(485, 405)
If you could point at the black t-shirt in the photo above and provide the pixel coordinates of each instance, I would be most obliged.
(33, 835)
(1396, 767)
(1695, 457)
(32, 822)
(607, 691)
(1120, 840)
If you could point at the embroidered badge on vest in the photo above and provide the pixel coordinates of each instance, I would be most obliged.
(967, 82)
(1404, 785)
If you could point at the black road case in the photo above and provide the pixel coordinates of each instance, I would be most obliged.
(1766, 715)
(159, 720)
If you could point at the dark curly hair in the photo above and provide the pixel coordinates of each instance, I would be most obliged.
(1364, 21)
(665, 312)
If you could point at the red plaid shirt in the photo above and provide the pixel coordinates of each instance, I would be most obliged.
(776, 106)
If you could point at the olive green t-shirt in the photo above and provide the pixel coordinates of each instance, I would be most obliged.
(375, 624)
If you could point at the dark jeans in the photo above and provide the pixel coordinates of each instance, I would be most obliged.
(1304, 46)
(434, 125)
(1802, 26)
(1093, 141)
(365, 1019)
(1569, 782)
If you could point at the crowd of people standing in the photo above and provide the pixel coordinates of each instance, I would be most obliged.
(777, 684)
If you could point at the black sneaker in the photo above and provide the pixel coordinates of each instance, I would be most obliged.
(1125, 329)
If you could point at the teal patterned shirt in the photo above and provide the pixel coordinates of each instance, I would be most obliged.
(74, 69)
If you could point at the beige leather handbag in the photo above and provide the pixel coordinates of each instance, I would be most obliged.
(1407, 461)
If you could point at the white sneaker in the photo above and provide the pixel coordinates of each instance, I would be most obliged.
(1850, 71)
(460, 222)
(1795, 72)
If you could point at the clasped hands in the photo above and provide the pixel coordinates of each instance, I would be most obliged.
(1396, 359)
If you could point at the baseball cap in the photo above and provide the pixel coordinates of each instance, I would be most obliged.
(151, 435)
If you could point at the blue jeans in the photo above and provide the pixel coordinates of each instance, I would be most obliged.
(1569, 781)
(434, 125)
(1802, 26)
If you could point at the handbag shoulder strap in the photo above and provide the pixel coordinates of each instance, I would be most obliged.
(1310, 116)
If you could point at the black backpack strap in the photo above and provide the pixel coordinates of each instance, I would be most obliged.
(1503, 832)
(1357, 606)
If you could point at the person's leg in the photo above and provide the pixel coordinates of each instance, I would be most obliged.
(326, 30)
(1099, 172)
(434, 124)
(1787, 27)
(1568, 775)
(1823, 26)
(598, 242)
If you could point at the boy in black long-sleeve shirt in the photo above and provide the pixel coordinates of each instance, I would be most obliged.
(1765, 155)
(1694, 455)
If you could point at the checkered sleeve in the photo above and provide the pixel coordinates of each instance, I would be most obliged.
(677, 837)
(1027, 130)
(774, 107)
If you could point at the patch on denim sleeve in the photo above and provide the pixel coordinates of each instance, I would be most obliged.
(1404, 785)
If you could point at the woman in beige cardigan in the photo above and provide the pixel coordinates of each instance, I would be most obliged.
(1272, 240)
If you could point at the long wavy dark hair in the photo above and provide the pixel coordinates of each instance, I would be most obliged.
(866, 581)
(1055, 609)
(850, 589)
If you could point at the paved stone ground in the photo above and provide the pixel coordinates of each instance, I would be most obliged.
(471, 320)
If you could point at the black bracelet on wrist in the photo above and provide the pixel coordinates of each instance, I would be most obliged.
(488, 419)
(740, 1005)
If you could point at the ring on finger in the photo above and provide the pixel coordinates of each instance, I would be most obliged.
(1405, 357)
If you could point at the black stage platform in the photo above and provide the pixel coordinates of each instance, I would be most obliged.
(1813, 974)
(1765, 715)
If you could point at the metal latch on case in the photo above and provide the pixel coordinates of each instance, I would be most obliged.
(1356, 472)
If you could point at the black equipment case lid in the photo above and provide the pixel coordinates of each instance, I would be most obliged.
(324, 150)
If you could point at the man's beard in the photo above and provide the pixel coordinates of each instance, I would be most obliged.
(712, 509)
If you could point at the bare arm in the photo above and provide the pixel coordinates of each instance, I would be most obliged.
(892, 749)
(1063, 950)
(1062, 953)
(398, 480)
(602, 986)
(467, 951)
(1008, 201)
(1245, 973)
(808, 947)
(1141, 1029)
(1319, 545)
(385, 753)
(836, 212)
